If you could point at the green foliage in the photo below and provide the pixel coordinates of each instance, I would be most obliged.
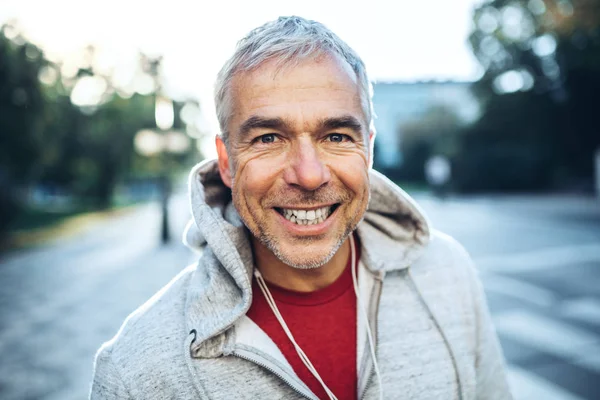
(82, 151)
(539, 92)
(21, 106)
(508, 148)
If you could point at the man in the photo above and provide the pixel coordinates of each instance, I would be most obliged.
(319, 278)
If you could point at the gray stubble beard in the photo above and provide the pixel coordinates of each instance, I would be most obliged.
(272, 245)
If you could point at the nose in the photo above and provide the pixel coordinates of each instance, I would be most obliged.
(306, 168)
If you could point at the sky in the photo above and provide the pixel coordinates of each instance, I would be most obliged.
(399, 40)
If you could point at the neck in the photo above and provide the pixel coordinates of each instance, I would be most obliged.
(301, 280)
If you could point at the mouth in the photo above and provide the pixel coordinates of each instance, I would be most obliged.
(312, 216)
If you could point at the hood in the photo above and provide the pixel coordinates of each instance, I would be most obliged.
(220, 290)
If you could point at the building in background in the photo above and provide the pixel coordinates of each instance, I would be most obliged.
(397, 103)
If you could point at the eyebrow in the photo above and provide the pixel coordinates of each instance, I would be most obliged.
(346, 121)
(280, 124)
(256, 122)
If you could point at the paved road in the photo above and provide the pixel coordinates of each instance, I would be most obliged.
(539, 259)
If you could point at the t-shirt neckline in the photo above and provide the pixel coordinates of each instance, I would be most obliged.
(319, 296)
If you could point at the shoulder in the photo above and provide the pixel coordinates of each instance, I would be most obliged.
(443, 253)
(162, 312)
(444, 245)
(446, 268)
(150, 341)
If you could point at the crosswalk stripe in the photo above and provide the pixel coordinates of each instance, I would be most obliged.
(552, 337)
(518, 289)
(586, 309)
(541, 259)
(528, 386)
(589, 360)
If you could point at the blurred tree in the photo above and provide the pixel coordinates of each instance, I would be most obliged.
(21, 112)
(108, 144)
(96, 140)
(71, 132)
(539, 91)
(509, 147)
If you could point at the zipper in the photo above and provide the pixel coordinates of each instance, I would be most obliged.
(373, 323)
(293, 385)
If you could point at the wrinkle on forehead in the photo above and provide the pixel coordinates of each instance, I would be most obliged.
(268, 87)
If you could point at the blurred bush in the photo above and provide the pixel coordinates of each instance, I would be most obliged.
(69, 136)
(539, 125)
(22, 111)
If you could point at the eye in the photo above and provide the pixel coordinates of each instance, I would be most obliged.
(269, 138)
(337, 137)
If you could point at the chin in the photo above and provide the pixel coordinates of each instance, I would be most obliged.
(310, 256)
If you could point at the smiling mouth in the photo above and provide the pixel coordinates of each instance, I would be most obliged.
(307, 217)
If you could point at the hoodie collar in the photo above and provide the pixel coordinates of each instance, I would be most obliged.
(220, 290)
(393, 221)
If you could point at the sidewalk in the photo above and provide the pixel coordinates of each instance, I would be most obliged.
(59, 303)
(65, 229)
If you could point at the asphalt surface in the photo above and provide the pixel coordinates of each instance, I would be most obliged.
(539, 260)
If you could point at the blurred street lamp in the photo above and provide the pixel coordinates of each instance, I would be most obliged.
(147, 142)
(163, 113)
(164, 118)
(597, 171)
(162, 142)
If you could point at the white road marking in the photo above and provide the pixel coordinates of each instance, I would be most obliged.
(586, 309)
(518, 289)
(541, 259)
(589, 359)
(528, 386)
(553, 337)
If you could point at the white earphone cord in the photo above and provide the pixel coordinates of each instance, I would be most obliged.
(366, 318)
(303, 357)
(301, 354)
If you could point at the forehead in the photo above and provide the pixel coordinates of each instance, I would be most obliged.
(311, 90)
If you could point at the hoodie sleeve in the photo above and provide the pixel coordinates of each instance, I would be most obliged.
(491, 380)
(107, 382)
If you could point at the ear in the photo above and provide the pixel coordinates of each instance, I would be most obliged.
(224, 169)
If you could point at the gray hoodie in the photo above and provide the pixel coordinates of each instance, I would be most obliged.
(427, 312)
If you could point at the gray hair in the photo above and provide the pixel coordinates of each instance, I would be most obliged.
(289, 40)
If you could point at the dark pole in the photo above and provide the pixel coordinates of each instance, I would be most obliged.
(153, 68)
(165, 195)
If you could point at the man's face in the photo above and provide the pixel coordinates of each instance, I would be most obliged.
(298, 158)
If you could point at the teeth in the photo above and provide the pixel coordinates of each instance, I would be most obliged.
(307, 217)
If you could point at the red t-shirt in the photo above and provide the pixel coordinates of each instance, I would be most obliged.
(323, 323)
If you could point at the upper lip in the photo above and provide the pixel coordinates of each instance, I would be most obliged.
(305, 208)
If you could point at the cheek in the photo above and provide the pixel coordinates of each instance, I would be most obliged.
(355, 175)
(256, 177)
